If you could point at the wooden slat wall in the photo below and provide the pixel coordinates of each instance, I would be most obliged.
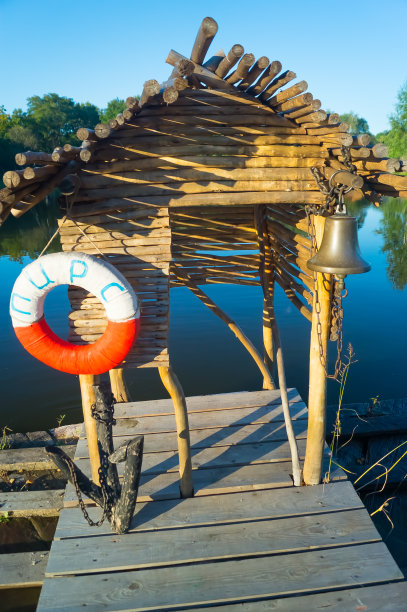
(179, 184)
(145, 264)
(291, 248)
(202, 241)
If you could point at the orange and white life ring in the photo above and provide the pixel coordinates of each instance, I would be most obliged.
(99, 278)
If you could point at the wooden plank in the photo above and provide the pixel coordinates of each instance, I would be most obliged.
(219, 456)
(19, 570)
(214, 481)
(369, 427)
(196, 544)
(208, 419)
(219, 401)
(202, 438)
(14, 459)
(379, 598)
(221, 582)
(223, 508)
(32, 503)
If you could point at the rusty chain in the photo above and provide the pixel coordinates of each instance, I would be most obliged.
(334, 198)
(71, 467)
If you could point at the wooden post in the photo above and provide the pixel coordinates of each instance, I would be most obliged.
(88, 398)
(317, 373)
(173, 386)
(119, 388)
(267, 343)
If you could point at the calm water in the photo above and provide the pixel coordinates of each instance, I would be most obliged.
(205, 355)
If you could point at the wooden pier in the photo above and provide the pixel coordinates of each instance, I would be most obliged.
(248, 540)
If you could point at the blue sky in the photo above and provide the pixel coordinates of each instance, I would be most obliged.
(351, 53)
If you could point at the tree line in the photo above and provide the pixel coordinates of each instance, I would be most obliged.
(52, 120)
(48, 122)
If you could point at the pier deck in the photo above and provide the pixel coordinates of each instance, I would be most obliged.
(248, 540)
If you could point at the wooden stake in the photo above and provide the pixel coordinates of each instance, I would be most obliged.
(317, 373)
(86, 382)
(206, 34)
(254, 72)
(173, 386)
(229, 61)
(119, 388)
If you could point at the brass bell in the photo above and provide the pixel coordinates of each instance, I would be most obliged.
(339, 252)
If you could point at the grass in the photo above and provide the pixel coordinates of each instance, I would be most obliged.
(4, 443)
(343, 376)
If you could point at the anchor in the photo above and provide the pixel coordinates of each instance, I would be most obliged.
(117, 501)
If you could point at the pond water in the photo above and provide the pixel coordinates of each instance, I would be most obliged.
(205, 354)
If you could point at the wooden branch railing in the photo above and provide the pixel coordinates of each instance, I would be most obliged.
(205, 299)
(267, 276)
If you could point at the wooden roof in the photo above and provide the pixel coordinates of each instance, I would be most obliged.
(245, 86)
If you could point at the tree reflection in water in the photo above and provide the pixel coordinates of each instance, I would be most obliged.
(393, 229)
(28, 235)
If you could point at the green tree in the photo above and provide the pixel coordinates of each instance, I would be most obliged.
(9, 147)
(396, 137)
(54, 119)
(5, 122)
(358, 125)
(113, 108)
(393, 228)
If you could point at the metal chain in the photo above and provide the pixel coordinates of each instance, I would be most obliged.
(334, 196)
(108, 420)
(71, 467)
(107, 417)
(336, 332)
(107, 495)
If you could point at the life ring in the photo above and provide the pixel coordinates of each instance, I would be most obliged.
(99, 278)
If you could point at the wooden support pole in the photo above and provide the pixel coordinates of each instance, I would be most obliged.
(267, 341)
(119, 388)
(267, 277)
(86, 382)
(317, 373)
(249, 346)
(174, 388)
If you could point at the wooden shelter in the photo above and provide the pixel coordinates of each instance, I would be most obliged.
(207, 179)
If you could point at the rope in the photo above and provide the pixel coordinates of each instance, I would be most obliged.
(70, 200)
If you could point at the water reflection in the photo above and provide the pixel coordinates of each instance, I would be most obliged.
(34, 395)
(393, 228)
(359, 210)
(28, 235)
